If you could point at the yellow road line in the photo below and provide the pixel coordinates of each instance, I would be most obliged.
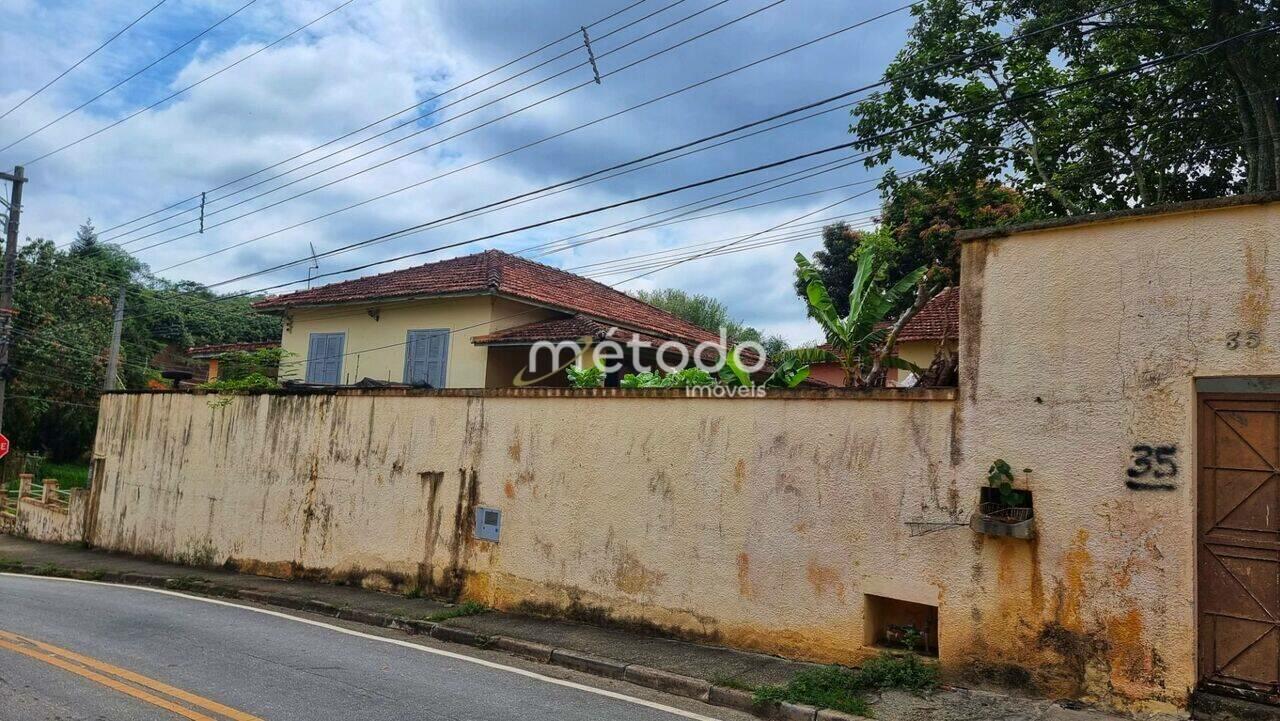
(194, 700)
(485, 663)
(69, 660)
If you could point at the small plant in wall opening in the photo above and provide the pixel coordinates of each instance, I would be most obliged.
(1004, 510)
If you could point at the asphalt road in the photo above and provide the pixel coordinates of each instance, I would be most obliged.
(73, 650)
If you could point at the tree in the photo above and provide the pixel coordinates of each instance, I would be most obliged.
(834, 263)
(863, 339)
(709, 314)
(1110, 141)
(923, 218)
(65, 302)
(86, 241)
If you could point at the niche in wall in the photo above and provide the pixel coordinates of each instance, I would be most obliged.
(896, 624)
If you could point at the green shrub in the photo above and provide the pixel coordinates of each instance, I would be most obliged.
(467, 608)
(687, 378)
(844, 689)
(68, 475)
(247, 370)
(592, 377)
(831, 687)
(904, 671)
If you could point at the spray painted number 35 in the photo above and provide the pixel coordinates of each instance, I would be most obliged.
(1154, 461)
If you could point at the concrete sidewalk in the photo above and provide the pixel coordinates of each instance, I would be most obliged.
(710, 673)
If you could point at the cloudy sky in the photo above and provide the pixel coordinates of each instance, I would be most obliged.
(373, 58)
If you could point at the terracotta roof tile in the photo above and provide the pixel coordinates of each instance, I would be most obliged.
(557, 329)
(938, 319)
(494, 271)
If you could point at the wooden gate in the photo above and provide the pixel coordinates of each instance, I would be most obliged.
(1238, 545)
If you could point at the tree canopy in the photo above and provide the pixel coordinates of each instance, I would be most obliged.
(1058, 116)
(1006, 111)
(711, 314)
(65, 302)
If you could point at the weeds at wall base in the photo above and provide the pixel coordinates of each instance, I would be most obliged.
(467, 608)
(845, 689)
(733, 682)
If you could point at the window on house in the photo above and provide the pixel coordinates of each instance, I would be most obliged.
(426, 357)
(324, 358)
(894, 623)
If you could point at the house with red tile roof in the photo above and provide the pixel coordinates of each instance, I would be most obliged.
(935, 327)
(465, 322)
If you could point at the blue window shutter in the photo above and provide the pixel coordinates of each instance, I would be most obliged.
(426, 357)
(324, 358)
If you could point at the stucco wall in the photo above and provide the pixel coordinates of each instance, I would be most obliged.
(758, 522)
(375, 346)
(51, 522)
(1077, 344)
(765, 523)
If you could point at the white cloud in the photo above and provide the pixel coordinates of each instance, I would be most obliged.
(382, 55)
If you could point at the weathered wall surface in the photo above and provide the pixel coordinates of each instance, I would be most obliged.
(1078, 344)
(755, 522)
(51, 522)
(766, 523)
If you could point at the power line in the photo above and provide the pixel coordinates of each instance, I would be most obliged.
(77, 63)
(411, 121)
(136, 73)
(686, 259)
(736, 242)
(720, 199)
(201, 81)
(428, 146)
(526, 197)
(1045, 91)
(859, 219)
(530, 310)
(664, 96)
(379, 121)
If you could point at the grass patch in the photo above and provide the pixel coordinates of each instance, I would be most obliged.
(49, 569)
(68, 475)
(724, 680)
(468, 608)
(845, 689)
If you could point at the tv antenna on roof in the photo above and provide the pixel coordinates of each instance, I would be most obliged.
(315, 264)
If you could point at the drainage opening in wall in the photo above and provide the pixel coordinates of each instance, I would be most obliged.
(896, 624)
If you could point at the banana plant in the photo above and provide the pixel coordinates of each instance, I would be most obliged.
(787, 373)
(862, 341)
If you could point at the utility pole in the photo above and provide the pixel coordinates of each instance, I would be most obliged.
(116, 327)
(13, 212)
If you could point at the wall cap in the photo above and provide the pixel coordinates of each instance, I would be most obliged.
(829, 394)
(1190, 206)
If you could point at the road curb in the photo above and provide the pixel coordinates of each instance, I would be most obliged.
(588, 663)
(672, 683)
(657, 679)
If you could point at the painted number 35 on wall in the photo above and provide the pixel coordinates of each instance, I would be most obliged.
(1152, 467)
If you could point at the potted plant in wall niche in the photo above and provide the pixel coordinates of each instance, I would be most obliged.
(1002, 509)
